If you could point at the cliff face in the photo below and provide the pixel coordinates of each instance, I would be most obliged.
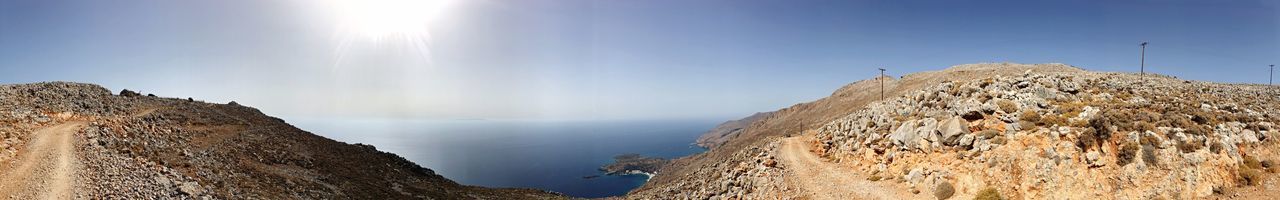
(1019, 131)
(725, 131)
(141, 147)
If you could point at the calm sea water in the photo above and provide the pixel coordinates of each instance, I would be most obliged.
(550, 155)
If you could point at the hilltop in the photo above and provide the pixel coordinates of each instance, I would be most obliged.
(74, 140)
(998, 129)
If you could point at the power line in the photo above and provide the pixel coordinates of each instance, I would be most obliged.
(1142, 62)
(882, 83)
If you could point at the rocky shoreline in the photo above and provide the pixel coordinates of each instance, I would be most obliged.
(627, 164)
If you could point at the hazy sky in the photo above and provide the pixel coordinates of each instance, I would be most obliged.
(585, 59)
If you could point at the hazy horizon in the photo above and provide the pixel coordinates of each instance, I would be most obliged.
(582, 59)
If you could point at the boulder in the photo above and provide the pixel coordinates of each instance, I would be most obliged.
(129, 93)
(952, 129)
(190, 188)
(905, 136)
(966, 140)
(928, 129)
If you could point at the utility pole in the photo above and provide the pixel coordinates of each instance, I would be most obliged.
(1271, 74)
(881, 77)
(1142, 68)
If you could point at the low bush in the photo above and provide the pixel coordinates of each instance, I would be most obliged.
(1251, 162)
(1088, 138)
(988, 193)
(1188, 147)
(1127, 153)
(1030, 116)
(1149, 155)
(1250, 176)
(1007, 106)
(1049, 120)
(987, 134)
(998, 140)
(944, 190)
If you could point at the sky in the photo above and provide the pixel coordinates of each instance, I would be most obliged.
(597, 59)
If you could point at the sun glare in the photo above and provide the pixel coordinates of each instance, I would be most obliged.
(385, 19)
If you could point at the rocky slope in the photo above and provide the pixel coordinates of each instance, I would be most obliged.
(144, 147)
(727, 130)
(1017, 131)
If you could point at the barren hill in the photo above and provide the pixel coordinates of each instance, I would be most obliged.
(1044, 131)
(71, 140)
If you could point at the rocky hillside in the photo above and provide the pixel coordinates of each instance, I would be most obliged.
(72, 140)
(1047, 131)
(729, 129)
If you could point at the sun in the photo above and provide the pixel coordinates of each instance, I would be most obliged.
(386, 19)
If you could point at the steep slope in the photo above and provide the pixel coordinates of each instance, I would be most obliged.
(142, 147)
(1076, 135)
(729, 129)
(1022, 131)
(722, 171)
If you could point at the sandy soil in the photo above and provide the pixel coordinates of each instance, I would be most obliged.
(46, 167)
(824, 180)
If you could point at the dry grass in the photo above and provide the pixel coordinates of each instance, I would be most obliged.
(1250, 176)
(988, 193)
(1007, 106)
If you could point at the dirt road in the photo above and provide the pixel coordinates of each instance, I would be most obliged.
(45, 168)
(823, 180)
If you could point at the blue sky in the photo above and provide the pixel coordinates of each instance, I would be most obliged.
(585, 59)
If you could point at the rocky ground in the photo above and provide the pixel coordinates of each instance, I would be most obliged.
(1013, 131)
(1070, 135)
(131, 146)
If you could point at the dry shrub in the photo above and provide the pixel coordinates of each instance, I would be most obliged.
(1080, 123)
(1188, 147)
(1052, 120)
(944, 190)
(1101, 126)
(1026, 125)
(1151, 140)
(1149, 155)
(1144, 126)
(1251, 162)
(1071, 109)
(1007, 106)
(1127, 153)
(988, 193)
(1030, 115)
(998, 140)
(1250, 176)
(988, 133)
(1087, 139)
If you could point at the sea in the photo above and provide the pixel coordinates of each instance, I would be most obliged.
(553, 155)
